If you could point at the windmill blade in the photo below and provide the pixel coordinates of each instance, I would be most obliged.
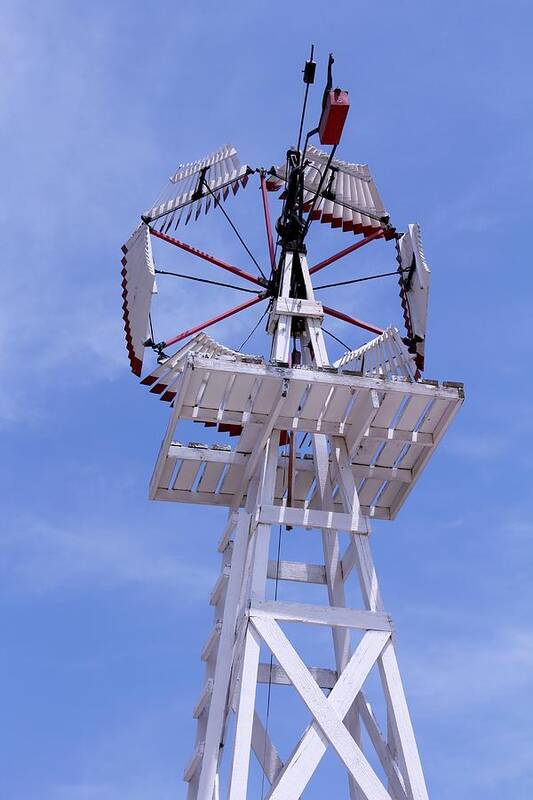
(414, 290)
(138, 284)
(349, 198)
(189, 186)
(386, 356)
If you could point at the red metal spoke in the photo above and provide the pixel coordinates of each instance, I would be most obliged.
(347, 251)
(268, 225)
(207, 257)
(218, 318)
(352, 320)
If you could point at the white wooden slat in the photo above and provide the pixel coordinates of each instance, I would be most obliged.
(438, 408)
(389, 454)
(388, 408)
(412, 456)
(412, 412)
(389, 494)
(294, 398)
(186, 475)
(248, 438)
(167, 472)
(368, 491)
(302, 483)
(338, 403)
(240, 391)
(315, 401)
(232, 479)
(211, 477)
(281, 483)
(263, 399)
(214, 391)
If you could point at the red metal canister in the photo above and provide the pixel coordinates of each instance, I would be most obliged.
(333, 116)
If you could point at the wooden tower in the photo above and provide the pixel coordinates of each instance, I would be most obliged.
(320, 446)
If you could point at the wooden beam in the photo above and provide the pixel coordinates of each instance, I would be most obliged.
(312, 375)
(327, 724)
(265, 752)
(297, 571)
(326, 678)
(312, 518)
(321, 615)
(213, 455)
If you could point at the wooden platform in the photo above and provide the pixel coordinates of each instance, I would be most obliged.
(391, 429)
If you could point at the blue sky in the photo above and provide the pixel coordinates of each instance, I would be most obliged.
(103, 594)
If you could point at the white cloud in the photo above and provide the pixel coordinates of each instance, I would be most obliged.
(39, 557)
(466, 673)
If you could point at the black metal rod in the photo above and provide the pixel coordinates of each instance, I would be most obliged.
(204, 280)
(302, 118)
(360, 280)
(241, 240)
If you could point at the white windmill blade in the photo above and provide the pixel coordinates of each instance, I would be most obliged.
(386, 356)
(193, 185)
(414, 290)
(138, 285)
(348, 198)
(162, 378)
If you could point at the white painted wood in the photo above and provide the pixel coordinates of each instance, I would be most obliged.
(325, 678)
(401, 720)
(163, 450)
(265, 752)
(328, 713)
(298, 308)
(251, 650)
(195, 761)
(245, 714)
(331, 548)
(311, 518)
(395, 780)
(215, 724)
(321, 615)
(297, 571)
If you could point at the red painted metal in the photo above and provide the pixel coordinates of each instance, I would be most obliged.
(206, 257)
(212, 321)
(268, 225)
(378, 234)
(333, 117)
(352, 320)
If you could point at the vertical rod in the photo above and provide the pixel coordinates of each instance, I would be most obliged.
(268, 224)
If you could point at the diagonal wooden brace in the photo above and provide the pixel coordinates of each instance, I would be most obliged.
(328, 726)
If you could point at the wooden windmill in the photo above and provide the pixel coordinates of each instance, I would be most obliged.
(320, 446)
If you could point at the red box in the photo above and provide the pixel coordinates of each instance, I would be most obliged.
(333, 117)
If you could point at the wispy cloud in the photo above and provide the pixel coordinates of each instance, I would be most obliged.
(40, 557)
(471, 672)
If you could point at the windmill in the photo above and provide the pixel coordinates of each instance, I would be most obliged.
(319, 447)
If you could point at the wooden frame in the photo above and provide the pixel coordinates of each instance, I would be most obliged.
(371, 436)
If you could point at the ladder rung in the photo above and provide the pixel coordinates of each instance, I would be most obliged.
(297, 571)
(205, 698)
(195, 761)
(219, 586)
(212, 640)
(326, 678)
